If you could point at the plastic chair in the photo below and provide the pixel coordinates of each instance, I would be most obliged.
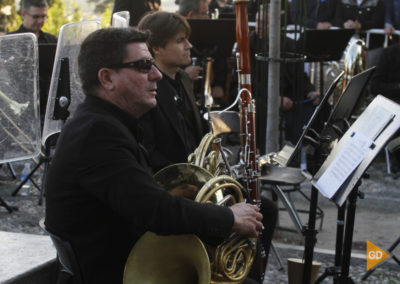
(66, 258)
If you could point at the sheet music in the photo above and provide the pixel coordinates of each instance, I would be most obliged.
(344, 164)
(376, 122)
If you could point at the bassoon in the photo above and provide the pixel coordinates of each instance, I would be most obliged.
(247, 109)
(247, 113)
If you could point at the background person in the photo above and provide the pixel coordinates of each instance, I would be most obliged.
(34, 16)
(392, 16)
(101, 195)
(174, 128)
(319, 13)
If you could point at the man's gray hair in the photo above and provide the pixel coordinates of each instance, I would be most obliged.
(26, 4)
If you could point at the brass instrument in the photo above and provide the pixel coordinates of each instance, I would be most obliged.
(354, 63)
(228, 262)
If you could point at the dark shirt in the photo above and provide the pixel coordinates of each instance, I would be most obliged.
(370, 14)
(386, 79)
(392, 13)
(316, 11)
(101, 196)
(43, 37)
(44, 73)
(185, 112)
(172, 134)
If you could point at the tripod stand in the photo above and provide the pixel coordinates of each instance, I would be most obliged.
(44, 159)
(342, 189)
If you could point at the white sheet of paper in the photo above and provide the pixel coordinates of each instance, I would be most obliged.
(376, 122)
(344, 164)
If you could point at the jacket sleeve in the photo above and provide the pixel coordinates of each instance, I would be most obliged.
(112, 171)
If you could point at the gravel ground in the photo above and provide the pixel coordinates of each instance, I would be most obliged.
(378, 210)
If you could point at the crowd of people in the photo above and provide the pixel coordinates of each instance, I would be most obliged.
(140, 115)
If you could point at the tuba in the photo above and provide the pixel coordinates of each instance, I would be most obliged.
(207, 178)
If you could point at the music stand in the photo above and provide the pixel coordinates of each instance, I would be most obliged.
(335, 128)
(348, 101)
(220, 33)
(331, 44)
(364, 140)
(286, 155)
(47, 52)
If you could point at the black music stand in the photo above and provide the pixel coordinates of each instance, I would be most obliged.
(278, 176)
(287, 154)
(63, 100)
(325, 45)
(375, 126)
(47, 52)
(220, 33)
(215, 43)
(348, 101)
(336, 125)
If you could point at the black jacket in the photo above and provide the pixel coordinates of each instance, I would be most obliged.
(101, 195)
(386, 79)
(43, 37)
(165, 132)
(370, 14)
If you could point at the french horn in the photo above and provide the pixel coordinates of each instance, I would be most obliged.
(186, 258)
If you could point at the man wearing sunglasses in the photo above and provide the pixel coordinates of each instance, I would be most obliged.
(34, 15)
(100, 192)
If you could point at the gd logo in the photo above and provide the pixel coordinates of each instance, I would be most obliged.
(374, 255)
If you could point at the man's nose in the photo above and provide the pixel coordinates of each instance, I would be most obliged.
(154, 74)
(188, 44)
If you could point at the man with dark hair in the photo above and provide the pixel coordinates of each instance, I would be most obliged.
(174, 128)
(34, 15)
(101, 195)
(176, 118)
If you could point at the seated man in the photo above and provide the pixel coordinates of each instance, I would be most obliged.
(174, 128)
(101, 195)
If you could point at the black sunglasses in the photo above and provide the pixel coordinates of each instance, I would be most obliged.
(141, 65)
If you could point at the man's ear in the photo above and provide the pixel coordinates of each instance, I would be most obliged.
(106, 78)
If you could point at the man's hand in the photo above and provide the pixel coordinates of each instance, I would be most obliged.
(315, 97)
(247, 219)
(350, 24)
(287, 104)
(193, 71)
(324, 25)
(389, 30)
